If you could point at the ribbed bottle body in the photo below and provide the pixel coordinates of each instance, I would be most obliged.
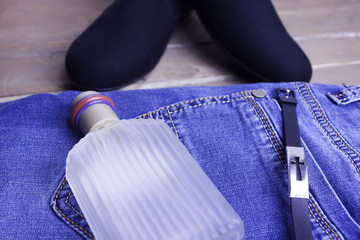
(133, 179)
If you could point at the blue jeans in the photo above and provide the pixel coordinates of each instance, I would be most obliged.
(234, 134)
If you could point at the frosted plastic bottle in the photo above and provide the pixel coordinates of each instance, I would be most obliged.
(133, 179)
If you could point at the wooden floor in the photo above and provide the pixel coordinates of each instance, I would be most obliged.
(35, 35)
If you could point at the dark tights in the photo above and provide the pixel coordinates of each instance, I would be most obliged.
(128, 39)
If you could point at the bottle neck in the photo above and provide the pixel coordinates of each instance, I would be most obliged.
(90, 111)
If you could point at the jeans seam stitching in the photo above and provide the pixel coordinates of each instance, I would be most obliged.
(339, 95)
(66, 217)
(347, 98)
(332, 230)
(317, 220)
(330, 126)
(278, 149)
(71, 206)
(202, 104)
(172, 122)
(195, 100)
(286, 167)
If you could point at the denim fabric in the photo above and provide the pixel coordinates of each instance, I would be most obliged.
(235, 136)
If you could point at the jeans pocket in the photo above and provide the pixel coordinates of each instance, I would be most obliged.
(64, 205)
(236, 140)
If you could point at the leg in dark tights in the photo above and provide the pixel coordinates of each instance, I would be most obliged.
(123, 44)
(128, 39)
(251, 31)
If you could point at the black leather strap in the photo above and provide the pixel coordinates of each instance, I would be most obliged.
(297, 167)
(291, 126)
(300, 218)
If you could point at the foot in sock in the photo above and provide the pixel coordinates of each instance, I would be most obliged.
(123, 44)
(251, 31)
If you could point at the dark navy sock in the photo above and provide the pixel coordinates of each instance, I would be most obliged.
(123, 44)
(251, 31)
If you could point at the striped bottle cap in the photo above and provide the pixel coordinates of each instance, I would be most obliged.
(91, 108)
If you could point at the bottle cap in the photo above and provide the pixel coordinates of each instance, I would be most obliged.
(91, 110)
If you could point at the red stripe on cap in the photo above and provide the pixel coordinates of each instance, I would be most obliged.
(85, 101)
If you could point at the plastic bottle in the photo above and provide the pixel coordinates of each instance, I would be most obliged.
(133, 179)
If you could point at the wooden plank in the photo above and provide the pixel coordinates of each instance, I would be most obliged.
(25, 21)
(320, 19)
(327, 51)
(35, 36)
(32, 75)
(338, 74)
